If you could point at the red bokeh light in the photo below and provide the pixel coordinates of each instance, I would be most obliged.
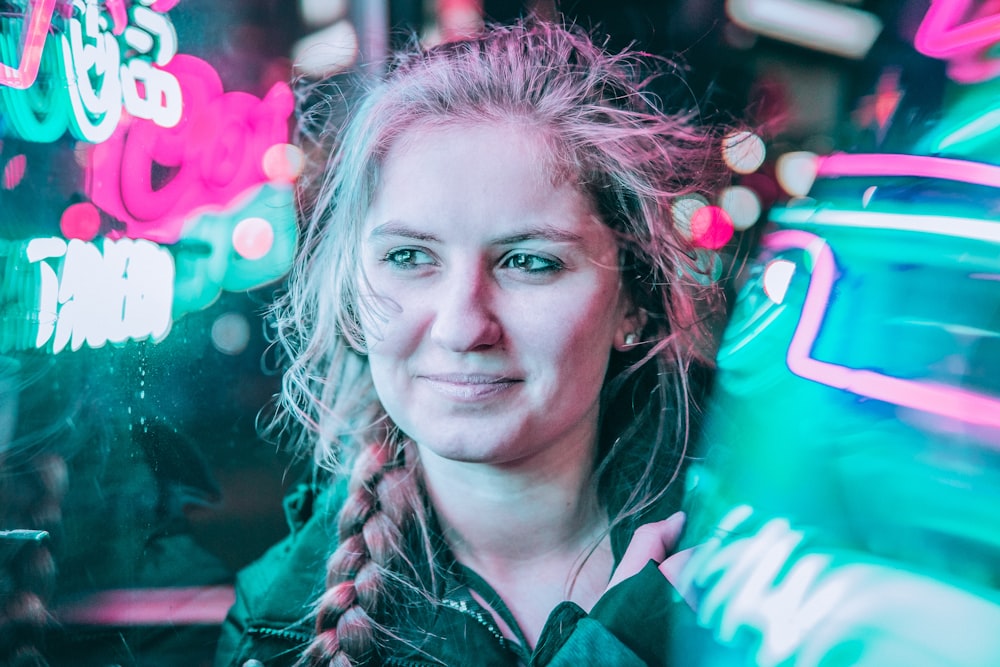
(711, 227)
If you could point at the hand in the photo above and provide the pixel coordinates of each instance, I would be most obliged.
(656, 542)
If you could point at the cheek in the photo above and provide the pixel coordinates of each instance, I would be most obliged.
(390, 329)
(378, 307)
(578, 328)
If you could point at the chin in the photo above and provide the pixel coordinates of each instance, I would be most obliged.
(463, 449)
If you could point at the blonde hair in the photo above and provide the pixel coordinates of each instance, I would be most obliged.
(634, 159)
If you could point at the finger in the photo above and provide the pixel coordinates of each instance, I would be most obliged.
(651, 541)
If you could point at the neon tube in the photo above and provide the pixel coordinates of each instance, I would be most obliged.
(966, 46)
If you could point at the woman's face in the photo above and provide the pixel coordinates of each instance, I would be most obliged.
(494, 296)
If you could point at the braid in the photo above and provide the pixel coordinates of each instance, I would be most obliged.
(384, 500)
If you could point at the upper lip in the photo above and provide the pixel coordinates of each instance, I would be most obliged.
(468, 378)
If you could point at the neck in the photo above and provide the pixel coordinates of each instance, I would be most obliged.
(527, 529)
(495, 516)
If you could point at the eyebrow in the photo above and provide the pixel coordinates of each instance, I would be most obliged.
(542, 233)
(397, 228)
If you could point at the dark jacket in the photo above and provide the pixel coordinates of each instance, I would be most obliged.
(628, 627)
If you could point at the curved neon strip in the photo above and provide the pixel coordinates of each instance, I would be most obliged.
(966, 406)
(896, 164)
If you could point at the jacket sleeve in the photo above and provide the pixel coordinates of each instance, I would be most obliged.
(270, 621)
(256, 633)
(591, 644)
(233, 629)
(630, 626)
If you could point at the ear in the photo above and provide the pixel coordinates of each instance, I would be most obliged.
(630, 330)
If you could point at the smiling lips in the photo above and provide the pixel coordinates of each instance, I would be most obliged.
(468, 388)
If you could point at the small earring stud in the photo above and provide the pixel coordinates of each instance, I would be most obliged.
(631, 339)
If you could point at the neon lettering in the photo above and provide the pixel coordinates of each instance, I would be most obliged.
(749, 585)
(120, 291)
(796, 605)
(163, 6)
(119, 15)
(147, 91)
(923, 166)
(942, 225)
(36, 27)
(213, 155)
(92, 59)
(208, 261)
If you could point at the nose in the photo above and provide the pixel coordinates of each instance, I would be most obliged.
(464, 319)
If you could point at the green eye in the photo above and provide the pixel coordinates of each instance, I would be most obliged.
(531, 263)
(406, 257)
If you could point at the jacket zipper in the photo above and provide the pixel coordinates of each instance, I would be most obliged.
(462, 606)
(281, 634)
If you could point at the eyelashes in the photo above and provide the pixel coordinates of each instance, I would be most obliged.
(407, 258)
(530, 263)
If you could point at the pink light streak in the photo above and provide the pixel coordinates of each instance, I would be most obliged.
(193, 605)
(935, 398)
(32, 43)
(924, 166)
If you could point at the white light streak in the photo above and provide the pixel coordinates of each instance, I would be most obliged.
(823, 26)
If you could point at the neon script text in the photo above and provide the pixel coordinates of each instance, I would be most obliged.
(119, 291)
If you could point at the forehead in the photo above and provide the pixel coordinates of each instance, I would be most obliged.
(478, 176)
(525, 142)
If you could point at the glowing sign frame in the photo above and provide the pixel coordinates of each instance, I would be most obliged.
(951, 402)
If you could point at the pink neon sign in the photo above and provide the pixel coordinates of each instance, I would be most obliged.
(960, 404)
(154, 179)
(962, 32)
(33, 35)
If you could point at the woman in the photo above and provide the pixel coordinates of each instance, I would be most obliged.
(495, 323)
